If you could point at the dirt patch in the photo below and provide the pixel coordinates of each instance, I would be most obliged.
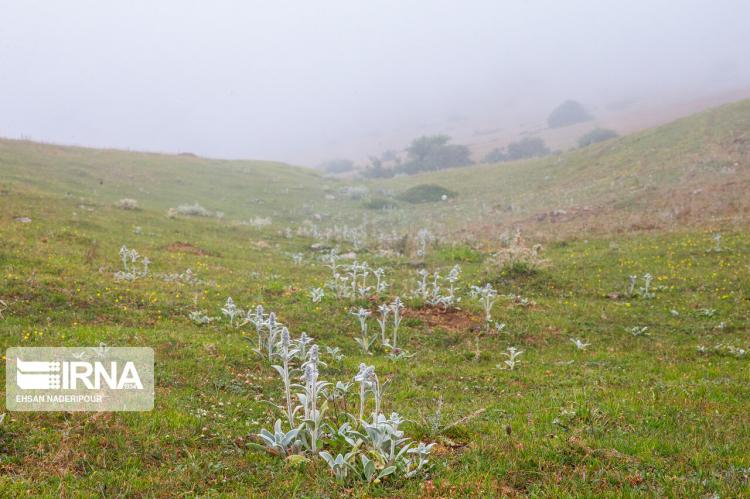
(455, 320)
(543, 336)
(182, 247)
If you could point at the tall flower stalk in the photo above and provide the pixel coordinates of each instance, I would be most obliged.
(396, 307)
(286, 355)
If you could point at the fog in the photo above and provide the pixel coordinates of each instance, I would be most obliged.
(305, 81)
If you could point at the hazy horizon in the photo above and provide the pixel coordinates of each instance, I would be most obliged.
(304, 82)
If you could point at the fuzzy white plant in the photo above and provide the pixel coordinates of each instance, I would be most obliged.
(486, 295)
(424, 237)
(368, 382)
(422, 291)
(396, 309)
(384, 310)
(231, 311)
(512, 361)
(717, 242)
(364, 341)
(127, 204)
(129, 257)
(632, 280)
(257, 319)
(317, 294)
(286, 353)
(273, 328)
(313, 387)
(302, 343)
(453, 277)
(380, 284)
(638, 330)
(580, 344)
(645, 291)
(200, 318)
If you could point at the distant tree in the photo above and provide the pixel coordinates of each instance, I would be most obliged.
(376, 169)
(496, 155)
(528, 147)
(434, 153)
(568, 113)
(338, 165)
(596, 135)
(388, 156)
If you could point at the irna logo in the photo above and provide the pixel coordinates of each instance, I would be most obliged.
(80, 379)
(72, 375)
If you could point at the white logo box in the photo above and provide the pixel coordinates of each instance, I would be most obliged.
(79, 379)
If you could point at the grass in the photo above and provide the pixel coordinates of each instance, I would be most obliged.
(632, 415)
(629, 416)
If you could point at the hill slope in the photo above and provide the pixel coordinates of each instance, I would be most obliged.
(693, 171)
(696, 169)
(158, 181)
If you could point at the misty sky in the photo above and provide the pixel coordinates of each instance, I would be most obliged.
(307, 80)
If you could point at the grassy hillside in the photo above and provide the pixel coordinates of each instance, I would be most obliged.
(693, 170)
(659, 411)
(159, 181)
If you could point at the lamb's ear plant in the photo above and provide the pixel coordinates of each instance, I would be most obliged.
(486, 295)
(421, 451)
(369, 471)
(129, 273)
(273, 328)
(286, 353)
(312, 414)
(302, 343)
(638, 330)
(231, 311)
(580, 344)
(424, 237)
(317, 294)
(364, 341)
(645, 291)
(512, 361)
(452, 279)
(399, 354)
(422, 291)
(632, 280)
(339, 465)
(396, 308)
(380, 284)
(717, 243)
(384, 311)
(257, 319)
(278, 443)
(200, 318)
(335, 353)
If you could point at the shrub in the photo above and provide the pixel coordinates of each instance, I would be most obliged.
(426, 193)
(193, 210)
(496, 155)
(596, 135)
(127, 204)
(528, 147)
(380, 204)
(568, 113)
(434, 153)
(516, 257)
